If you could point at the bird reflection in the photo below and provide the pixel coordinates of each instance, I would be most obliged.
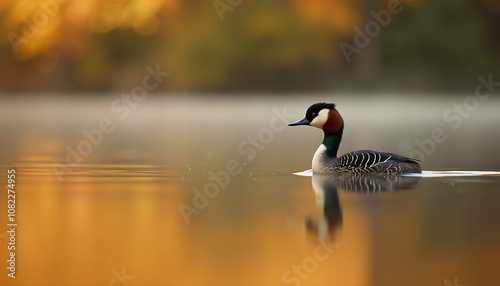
(329, 225)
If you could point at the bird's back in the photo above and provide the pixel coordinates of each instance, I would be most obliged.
(366, 161)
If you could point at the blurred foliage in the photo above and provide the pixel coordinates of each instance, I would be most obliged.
(258, 45)
(449, 43)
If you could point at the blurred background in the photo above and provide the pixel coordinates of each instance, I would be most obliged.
(96, 46)
(65, 63)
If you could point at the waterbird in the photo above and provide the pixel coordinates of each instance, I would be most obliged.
(326, 117)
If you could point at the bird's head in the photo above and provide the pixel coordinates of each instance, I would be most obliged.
(323, 116)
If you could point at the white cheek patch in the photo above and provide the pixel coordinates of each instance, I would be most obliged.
(321, 119)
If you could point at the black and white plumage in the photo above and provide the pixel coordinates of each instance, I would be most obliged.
(365, 161)
(325, 160)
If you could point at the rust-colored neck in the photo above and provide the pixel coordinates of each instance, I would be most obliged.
(334, 122)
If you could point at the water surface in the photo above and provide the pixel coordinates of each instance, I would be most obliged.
(156, 200)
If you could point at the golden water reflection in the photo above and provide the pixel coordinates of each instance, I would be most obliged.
(89, 227)
(119, 209)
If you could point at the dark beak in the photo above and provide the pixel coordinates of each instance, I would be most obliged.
(303, 121)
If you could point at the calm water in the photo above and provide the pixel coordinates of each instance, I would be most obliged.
(202, 192)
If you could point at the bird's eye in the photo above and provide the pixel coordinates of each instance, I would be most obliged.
(313, 114)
